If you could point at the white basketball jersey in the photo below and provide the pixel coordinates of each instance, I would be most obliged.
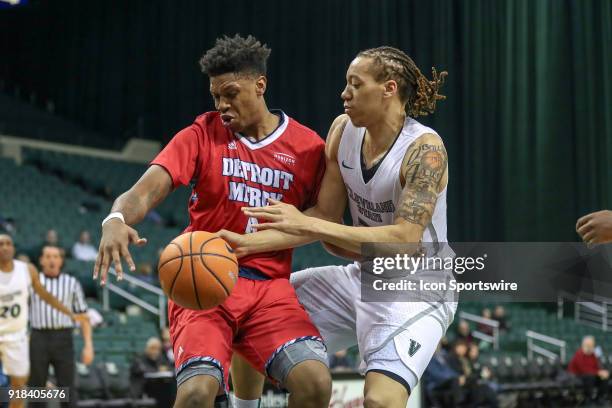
(374, 203)
(14, 296)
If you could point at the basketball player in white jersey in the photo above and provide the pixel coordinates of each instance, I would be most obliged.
(16, 279)
(393, 172)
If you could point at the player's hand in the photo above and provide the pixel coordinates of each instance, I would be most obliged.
(595, 228)
(236, 241)
(87, 355)
(279, 216)
(116, 236)
(80, 318)
(603, 374)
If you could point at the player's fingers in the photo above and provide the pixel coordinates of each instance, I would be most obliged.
(261, 210)
(582, 220)
(96, 269)
(104, 265)
(273, 201)
(589, 237)
(128, 258)
(585, 229)
(141, 242)
(117, 261)
(135, 238)
(267, 225)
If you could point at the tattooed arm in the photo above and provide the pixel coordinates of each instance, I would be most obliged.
(424, 175)
(134, 204)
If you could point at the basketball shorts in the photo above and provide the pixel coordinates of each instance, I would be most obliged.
(259, 320)
(399, 337)
(15, 355)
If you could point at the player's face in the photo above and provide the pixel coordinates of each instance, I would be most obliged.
(363, 96)
(7, 249)
(238, 99)
(51, 261)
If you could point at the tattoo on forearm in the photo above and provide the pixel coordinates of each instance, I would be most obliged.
(425, 168)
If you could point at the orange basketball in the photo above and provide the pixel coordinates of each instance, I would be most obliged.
(198, 270)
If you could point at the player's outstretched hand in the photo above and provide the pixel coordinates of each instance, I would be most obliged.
(116, 236)
(279, 216)
(595, 228)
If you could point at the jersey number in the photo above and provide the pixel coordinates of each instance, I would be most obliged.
(12, 310)
(249, 227)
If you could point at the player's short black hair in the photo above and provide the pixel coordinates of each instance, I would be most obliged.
(235, 54)
(61, 250)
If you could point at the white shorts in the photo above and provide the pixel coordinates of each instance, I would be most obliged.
(399, 337)
(15, 355)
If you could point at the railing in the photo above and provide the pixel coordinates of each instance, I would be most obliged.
(534, 348)
(159, 310)
(494, 324)
(589, 309)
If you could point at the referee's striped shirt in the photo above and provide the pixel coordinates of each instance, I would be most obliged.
(66, 289)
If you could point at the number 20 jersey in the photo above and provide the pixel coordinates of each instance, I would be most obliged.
(228, 171)
(14, 296)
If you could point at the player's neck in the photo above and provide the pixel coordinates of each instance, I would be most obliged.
(7, 267)
(261, 128)
(381, 134)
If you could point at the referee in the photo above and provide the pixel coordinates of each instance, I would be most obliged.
(51, 338)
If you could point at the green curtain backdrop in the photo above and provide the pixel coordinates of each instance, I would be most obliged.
(527, 122)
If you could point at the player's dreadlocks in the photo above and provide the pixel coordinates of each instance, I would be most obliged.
(235, 54)
(419, 93)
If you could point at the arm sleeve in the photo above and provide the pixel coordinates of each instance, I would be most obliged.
(79, 305)
(181, 156)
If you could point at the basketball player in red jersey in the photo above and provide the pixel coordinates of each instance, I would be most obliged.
(241, 155)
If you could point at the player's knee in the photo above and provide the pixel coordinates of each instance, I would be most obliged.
(312, 383)
(198, 392)
(18, 382)
(193, 397)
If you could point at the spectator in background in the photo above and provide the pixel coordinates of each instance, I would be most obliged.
(475, 391)
(7, 225)
(586, 366)
(167, 344)
(464, 333)
(23, 258)
(595, 228)
(153, 360)
(341, 361)
(499, 314)
(485, 328)
(51, 239)
(83, 250)
(483, 371)
(442, 384)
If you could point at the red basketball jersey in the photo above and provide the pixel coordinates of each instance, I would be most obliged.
(229, 171)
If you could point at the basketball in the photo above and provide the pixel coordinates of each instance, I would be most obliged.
(198, 270)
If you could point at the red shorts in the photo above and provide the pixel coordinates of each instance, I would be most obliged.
(256, 321)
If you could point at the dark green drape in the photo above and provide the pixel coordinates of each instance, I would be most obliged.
(527, 121)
